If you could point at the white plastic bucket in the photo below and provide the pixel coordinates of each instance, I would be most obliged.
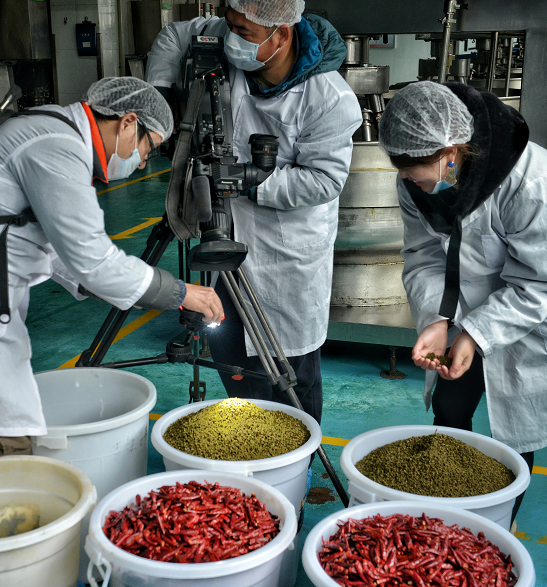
(97, 419)
(496, 506)
(49, 554)
(259, 568)
(506, 542)
(288, 473)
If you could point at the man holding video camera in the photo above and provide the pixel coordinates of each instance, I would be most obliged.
(285, 83)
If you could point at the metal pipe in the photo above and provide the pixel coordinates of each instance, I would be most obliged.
(509, 60)
(492, 62)
(447, 21)
(121, 39)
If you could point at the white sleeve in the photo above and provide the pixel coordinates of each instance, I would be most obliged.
(171, 47)
(424, 264)
(323, 158)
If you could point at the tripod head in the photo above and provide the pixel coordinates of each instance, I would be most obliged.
(206, 174)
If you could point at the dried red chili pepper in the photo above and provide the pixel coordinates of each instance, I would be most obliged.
(400, 550)
(192, 522)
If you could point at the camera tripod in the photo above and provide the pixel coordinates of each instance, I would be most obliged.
(187, 350)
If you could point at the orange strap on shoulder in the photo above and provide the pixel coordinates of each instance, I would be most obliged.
(99, 152)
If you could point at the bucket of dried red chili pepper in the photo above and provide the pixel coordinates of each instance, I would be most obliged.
(400, 543)
(496, 505)
(206, 526)
(286, 472)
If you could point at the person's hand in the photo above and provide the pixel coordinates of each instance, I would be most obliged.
(461, 352)
(431, 340)
(205, 300)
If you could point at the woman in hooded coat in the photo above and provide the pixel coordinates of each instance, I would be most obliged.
(473, 198)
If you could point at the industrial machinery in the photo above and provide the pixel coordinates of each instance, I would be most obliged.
(25, 54)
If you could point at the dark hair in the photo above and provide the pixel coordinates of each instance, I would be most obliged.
(467, 151)
(99, 116)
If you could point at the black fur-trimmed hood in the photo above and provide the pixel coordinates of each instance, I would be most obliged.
(500, 136)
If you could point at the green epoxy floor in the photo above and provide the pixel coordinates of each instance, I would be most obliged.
(356, 398)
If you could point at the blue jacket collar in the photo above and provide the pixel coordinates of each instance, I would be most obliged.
(320, 49)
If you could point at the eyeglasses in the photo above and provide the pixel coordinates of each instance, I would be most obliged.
(153, 150)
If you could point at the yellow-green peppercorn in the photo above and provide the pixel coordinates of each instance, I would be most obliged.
(443, 359)
(236, 430)
(436, 465)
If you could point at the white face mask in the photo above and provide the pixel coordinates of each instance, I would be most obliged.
(242, 53)
(119, 168)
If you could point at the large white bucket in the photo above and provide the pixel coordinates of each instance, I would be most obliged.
(496, 506)
(49, 554)
(97, 419)
(288, 473)
(506, 542)
(259, 568)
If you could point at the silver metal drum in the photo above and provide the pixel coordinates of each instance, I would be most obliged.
(367, 260)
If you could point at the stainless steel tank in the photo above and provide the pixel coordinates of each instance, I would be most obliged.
(367, 260)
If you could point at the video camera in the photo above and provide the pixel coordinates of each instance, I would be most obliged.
(205, 174)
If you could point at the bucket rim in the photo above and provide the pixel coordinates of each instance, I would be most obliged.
(464, 518)
(348, 460)
(88, 498)
(109, 423)
(99, 542)
(192, 461)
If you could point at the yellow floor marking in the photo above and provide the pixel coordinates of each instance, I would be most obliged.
(540, 470)
(133, 181)
(128, 329)
(127, 233)
(522, 535)
(542, 540)
(334, 441)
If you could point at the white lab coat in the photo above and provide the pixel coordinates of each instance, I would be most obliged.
(290, 231)
(45, 164)
(503, 294)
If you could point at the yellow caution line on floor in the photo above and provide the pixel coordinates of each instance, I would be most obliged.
(128, 329)
(127, 233)
(133, 181)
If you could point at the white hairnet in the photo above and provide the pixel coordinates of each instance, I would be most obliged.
(422, 118)
(270, 13)
(120, 95)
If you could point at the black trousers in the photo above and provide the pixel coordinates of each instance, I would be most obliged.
(454, 404)
(227, 345)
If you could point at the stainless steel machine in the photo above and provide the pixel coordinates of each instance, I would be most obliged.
(367, 289)
(25, 54)
(475, 43)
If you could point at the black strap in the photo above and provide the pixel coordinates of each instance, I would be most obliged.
(47, 113)
(27, 215)
(451, 295)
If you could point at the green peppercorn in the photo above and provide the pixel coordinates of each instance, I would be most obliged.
(443, 359)
(236, 430)
(436, 465)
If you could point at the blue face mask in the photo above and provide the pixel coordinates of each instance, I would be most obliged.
(242, 53)
(119, 168)
(442, 184)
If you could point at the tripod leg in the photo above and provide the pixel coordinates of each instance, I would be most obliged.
(267, 360)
